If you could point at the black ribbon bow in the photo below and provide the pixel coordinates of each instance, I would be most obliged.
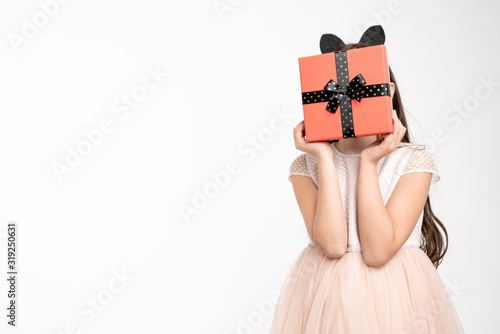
(336, 94)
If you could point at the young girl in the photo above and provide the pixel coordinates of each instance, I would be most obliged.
(374, 244)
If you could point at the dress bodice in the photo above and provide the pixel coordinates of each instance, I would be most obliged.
(404, 159)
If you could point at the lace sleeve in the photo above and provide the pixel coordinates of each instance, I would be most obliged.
(299, 167)
(421, 160)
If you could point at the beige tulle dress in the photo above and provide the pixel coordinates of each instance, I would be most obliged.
(321, 295)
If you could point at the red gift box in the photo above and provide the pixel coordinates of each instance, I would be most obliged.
(346, 94)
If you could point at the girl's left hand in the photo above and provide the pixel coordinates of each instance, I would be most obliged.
(386, 143)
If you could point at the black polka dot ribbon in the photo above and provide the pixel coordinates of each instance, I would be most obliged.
(340, 94)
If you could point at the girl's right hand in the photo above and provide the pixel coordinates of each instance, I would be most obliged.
(314, 148)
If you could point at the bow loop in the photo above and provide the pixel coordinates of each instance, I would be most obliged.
(337, 94)
(354, 87)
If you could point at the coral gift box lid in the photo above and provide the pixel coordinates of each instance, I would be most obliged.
(336, 103)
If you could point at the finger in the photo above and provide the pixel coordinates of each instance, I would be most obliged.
(382, 137)
(398, 135)
(397, 122)
(387, 140)
(402, 131)
(397, 128)
(301, 123)
(298, 128)
(299, 132)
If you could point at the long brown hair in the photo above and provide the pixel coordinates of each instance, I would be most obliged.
(432, 242)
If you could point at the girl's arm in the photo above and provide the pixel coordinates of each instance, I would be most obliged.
(330, 226)
(322, 207)
(384, 229)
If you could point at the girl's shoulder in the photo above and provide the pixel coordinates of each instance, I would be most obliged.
(299, 166)
(417, 158)
(304, 164)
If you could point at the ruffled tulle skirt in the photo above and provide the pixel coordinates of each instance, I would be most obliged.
(321, 295)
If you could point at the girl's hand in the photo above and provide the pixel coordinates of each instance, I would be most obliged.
(386, 143)
(314, 148)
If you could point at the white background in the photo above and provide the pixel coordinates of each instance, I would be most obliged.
(228, 75)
